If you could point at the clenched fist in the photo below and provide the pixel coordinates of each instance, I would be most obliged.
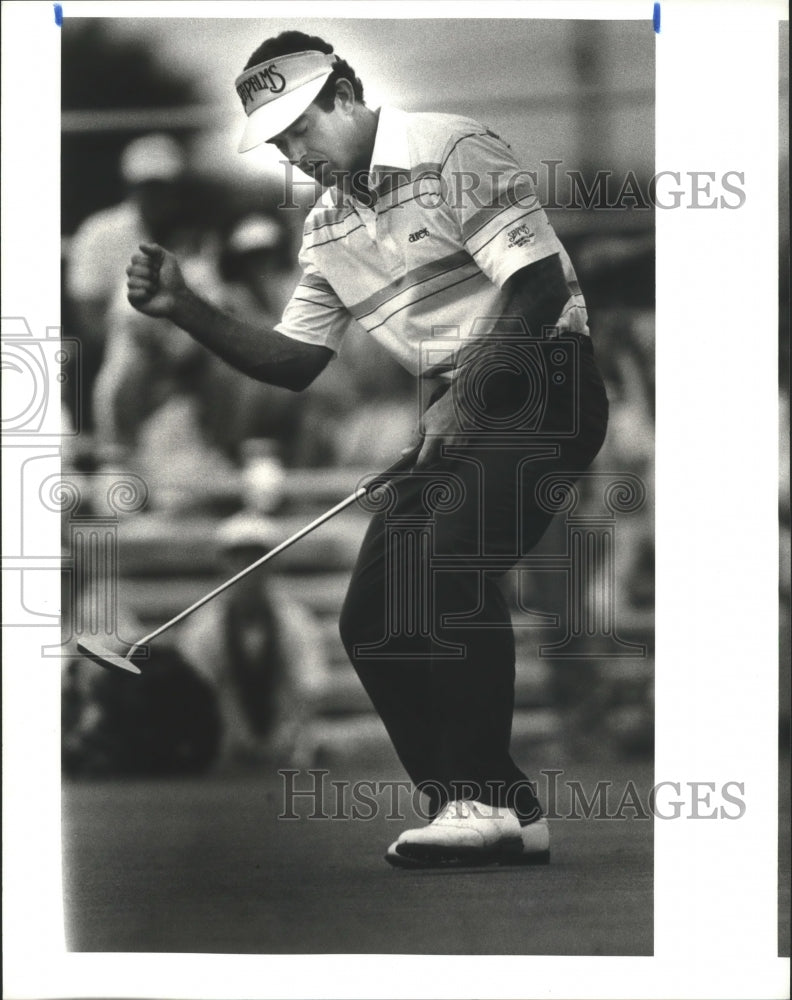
(154, 281)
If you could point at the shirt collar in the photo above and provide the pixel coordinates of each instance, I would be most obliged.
(391, 153)
(391, 149)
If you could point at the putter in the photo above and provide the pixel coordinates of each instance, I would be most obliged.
(95, 651)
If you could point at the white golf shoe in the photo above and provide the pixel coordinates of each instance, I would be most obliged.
(472, 833)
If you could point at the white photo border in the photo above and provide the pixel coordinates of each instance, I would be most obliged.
(715, 883)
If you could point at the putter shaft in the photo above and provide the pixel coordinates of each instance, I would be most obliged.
(106, 658)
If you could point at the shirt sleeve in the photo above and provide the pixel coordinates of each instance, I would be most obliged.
(315, 314)
(501, 220)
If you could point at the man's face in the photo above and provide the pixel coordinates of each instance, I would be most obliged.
(322, 144)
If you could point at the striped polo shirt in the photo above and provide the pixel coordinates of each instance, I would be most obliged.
(423, 269)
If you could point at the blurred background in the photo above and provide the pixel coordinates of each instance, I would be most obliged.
(150, 123)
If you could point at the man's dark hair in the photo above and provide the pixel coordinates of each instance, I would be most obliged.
(288, 42)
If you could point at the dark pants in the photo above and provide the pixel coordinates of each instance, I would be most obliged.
(425, 622)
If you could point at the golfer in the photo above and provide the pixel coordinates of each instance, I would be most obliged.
(428, 234)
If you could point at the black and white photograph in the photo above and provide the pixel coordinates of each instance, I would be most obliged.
(395, 519)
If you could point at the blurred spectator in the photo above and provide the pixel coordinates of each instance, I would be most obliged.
(259, 271)
(161, 402)
(149, 362)
(610, 700)
(259, 266)
(263, 477)
(331, 422)
(626, 349)
(261, 652)
(163, 722)
(616, 270)
(362, 411)
(152, 168)
(175, 409)
(382, 417)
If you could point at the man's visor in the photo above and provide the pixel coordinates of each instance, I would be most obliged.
(275, 93)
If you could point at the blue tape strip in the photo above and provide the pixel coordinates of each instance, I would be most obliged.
(58, 14)
(656, 18)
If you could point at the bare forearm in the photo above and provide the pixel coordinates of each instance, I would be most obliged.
(535, 295)
(492, 369)
(235, 341)
(258, 351)
(156, 288)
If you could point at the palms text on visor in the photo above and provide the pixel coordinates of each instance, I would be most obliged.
(276, 92)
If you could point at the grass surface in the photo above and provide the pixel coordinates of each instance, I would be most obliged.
(206, 866)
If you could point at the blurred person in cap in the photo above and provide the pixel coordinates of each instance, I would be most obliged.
(152, 168)
(331, 421)
(258, 265)
(159, 399)
(426, 225)
(160, 392)
(261, 652)
(259, 274)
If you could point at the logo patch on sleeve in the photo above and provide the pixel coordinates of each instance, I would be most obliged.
(521, 236)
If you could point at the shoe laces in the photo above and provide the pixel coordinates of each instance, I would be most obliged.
(455, 809)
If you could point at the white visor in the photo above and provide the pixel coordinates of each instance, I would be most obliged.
(275, 93)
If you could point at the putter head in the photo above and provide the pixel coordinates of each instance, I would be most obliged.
(105, 657)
